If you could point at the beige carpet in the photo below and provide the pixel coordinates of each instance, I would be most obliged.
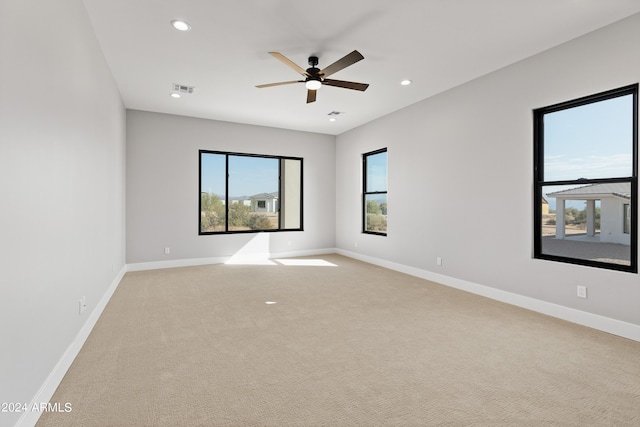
(345, 345)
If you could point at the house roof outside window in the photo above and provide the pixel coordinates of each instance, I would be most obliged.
(265, 196)
(595, 191)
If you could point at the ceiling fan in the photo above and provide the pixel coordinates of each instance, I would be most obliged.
(315, 78)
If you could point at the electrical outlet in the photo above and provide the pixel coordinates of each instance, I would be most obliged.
(356, 244)
(582, 291)
(438, 261)
(167, 251)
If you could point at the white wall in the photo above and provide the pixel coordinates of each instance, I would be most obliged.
(162, 186)
(62, 130)
(461, 179)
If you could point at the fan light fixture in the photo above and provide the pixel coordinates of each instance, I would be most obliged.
(313, 84)
(180, 25)
(315, 78)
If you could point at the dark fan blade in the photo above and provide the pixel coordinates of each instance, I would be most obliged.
(289, 63)
(347, 85)
(311, 96)
(349, 59)
(280, 84)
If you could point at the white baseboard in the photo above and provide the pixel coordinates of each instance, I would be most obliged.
(30, 418)
(310, 252)
(595, 321)
(157, 265)
(235, 259)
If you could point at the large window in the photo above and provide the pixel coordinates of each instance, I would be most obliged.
(243, 193)
(374, 195)
(585, 172)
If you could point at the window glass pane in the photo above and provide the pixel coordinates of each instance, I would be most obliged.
(375, 213)
(590, 141)
(586, 222)
(253, 193)
(212, 192)
(291, 207)
(376, 172)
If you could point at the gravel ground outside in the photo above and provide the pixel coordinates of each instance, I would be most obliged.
(595, 251)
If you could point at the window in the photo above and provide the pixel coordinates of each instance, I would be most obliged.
(244, 193)
(585, 166)
(374, 196)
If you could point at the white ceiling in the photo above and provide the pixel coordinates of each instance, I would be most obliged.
(438, 44)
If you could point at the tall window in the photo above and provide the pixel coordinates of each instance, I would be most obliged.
(374, 195)
(585, 166)
(244, 193)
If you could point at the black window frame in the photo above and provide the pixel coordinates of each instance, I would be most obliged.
(366, 193)
(539, 182)
(227, 202)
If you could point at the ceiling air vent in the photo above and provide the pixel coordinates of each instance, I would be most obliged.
(333, 115)
(182, 88)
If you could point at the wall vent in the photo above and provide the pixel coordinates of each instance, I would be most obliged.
(182, 88)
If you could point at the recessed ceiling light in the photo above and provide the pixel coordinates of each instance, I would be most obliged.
(405, 82)
(180, 25)
(175, 95)
(332, 119)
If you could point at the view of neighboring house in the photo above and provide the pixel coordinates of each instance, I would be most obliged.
(615, 210)
(263, 202)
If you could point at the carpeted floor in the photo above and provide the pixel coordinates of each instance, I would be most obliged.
(343, 344)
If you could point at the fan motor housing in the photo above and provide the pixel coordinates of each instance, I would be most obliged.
(313, 71)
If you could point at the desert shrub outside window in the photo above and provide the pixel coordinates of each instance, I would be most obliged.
(245, 193)
(585, 174)
(374, 195)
